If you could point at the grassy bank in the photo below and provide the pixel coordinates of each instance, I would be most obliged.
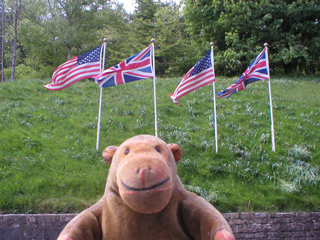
(48, 161)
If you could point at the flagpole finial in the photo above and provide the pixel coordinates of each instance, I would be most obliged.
(105, 40)
(212, 44)
(153, 40)
(266, 44)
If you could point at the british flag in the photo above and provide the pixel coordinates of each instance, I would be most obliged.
(257, 70)
(134, 68)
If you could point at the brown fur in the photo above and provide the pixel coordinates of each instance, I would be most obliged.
(144, 199)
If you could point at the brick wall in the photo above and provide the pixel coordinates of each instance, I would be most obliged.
(32, 226)
(246, 226)
(275, 226)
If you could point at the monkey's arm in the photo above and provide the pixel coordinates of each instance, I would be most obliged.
(203, 221)
(84, 226)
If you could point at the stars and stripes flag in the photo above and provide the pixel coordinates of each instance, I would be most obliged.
(198, 76)
(86, 65)
(257, 70)
(137, 67)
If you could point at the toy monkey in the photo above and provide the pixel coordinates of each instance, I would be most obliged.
(144, 199)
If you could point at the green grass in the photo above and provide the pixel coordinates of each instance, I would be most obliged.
(48, 161)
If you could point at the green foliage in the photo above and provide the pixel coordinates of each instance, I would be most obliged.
(182, 32)
(52, 32)
(48, 161)
(44, 42)
(7, 73)
(175, 54)
(165, 23)
(240, 28)
(27, 72)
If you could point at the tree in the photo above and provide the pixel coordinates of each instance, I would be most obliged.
(240, 28)
(116, 27)
(175, 54)
(164, 22)
(15, 9)
(60, 29)
(142, 22)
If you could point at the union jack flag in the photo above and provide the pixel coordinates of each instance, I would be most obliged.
(135, 68)
(86, 65)
(198, 76)
(257, 70)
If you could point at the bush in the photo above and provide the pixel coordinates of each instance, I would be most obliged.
(27, 72)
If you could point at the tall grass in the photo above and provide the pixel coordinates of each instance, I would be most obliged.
(48, 161)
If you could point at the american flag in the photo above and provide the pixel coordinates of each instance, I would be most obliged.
(200, 75)
(257, 70)
(86, 65)
(135, 68)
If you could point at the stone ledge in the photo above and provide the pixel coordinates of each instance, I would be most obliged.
(245, 226)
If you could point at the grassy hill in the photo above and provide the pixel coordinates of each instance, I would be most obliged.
(49, 164)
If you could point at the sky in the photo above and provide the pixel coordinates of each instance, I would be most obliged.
(130, 4)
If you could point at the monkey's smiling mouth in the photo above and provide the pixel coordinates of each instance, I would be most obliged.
(145, 189)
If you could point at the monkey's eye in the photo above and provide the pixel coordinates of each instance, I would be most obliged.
(158, 149)
(126, 151)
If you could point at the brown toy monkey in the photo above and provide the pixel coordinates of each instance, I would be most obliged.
(144, 199)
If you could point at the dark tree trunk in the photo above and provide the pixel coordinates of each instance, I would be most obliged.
(15, 39)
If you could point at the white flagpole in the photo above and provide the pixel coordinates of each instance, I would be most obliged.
(101, 88)
(270, 100)
(154, 89)
(214, 100)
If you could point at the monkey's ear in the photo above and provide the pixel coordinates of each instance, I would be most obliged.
(108, 153)
(176, 151)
